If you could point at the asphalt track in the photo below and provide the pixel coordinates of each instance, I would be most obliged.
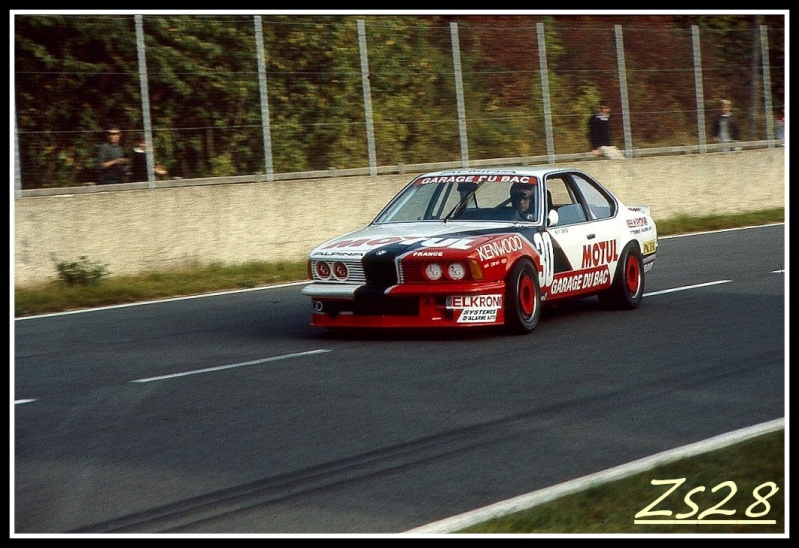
(228, 414)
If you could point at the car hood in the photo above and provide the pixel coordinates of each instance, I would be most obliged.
(453, 235)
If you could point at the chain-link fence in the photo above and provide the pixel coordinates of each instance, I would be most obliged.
(263, 97)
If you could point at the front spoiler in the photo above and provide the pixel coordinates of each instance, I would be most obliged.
(403, 306)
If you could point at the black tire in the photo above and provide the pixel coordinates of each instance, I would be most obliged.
(627, 289)
(522, 298)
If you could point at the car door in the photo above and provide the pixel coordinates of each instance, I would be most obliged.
(585, 239)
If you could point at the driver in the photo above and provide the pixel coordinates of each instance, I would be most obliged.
(521, 197)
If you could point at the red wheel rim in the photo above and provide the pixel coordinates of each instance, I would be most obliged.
(633, 275)
(527, 295)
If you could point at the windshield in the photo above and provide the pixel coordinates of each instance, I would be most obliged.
(478, 197)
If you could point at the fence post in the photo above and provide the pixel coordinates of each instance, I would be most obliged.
(542, 63)
(767, 104)
(267, 134)
(145, 101)
(456, 62)
(17, 168)
(700, 92)
(625, 104)
(367, 98)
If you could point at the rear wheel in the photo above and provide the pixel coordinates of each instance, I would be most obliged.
(627, 290)
(522, 298)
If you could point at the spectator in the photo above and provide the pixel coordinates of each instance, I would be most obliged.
(111, 161)
(599, 135)
(139, 163)
(725, 126)
(780, 128)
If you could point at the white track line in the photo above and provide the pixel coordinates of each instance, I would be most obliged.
(230, 366)
(683, 288)
(524, 502)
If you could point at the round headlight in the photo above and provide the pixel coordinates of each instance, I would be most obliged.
(433, 271)
(456, 271)
(322, 270)
(340, 270)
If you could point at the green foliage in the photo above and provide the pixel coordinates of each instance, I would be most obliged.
(76, 74)
(222, 165)
(79, 272)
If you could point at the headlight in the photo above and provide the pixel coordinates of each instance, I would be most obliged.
(456, 271)
(340, 271)
(322, 270)
(433, 271)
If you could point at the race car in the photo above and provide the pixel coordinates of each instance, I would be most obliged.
(482, 247)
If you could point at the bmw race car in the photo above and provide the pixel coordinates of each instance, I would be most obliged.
(480, 247)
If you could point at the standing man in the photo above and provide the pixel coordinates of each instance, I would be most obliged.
(138, 170)
(111, 161)
(599, 135)
(725, 125)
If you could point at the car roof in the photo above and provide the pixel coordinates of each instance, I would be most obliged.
(535, 171)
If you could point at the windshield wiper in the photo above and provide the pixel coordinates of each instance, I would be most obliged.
(460, 206)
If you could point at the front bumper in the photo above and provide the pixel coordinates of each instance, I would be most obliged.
(404, 306)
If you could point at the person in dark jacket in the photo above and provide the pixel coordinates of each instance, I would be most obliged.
(112, 164)
(599, 129)
(138, 170)
(599, 135)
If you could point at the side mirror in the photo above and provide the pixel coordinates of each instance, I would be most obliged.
(552, 217)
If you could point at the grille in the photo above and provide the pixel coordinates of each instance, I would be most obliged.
(381, 272)
(411, 272)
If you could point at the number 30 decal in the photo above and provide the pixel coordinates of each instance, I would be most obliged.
(543, 243)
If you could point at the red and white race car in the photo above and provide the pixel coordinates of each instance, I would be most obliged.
(479, 247)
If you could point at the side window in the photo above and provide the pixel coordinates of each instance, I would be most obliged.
(558, 192)
(600, 206)
(564, 201)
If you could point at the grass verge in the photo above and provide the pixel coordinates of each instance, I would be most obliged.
(59, 296)
(744, 483)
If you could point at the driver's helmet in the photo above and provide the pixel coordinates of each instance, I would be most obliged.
(521, 190)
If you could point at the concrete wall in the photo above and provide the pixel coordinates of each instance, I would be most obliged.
(155, 229)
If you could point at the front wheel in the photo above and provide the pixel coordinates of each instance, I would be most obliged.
(627, 290)
(522, 298)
